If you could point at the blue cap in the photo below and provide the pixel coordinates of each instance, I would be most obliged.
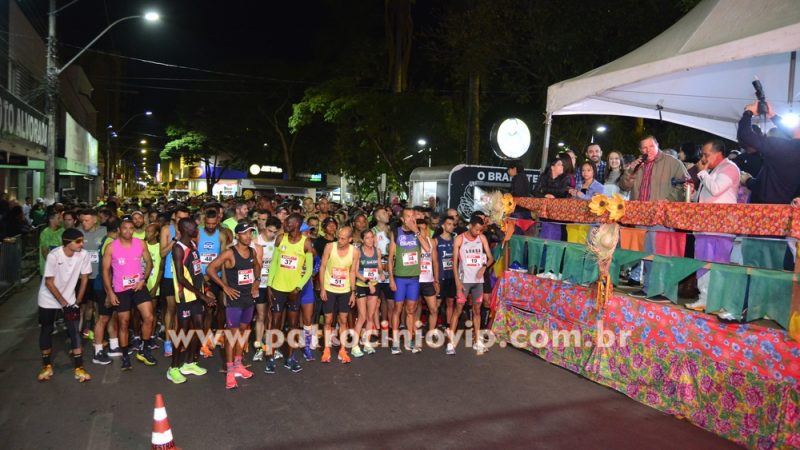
(304, 227)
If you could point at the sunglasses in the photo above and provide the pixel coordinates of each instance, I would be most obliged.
(77, 241)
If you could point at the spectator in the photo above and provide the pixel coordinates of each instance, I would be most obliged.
(14, 222)
(778, 181)
(554, 182)
(595, 154)
(569, 166)
(650, 177)
(587, 185)
(614, 173)
(38, 215)
(520, 187)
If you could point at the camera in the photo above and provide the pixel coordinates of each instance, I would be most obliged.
(762, 99)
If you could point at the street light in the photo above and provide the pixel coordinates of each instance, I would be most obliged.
(53, 72)
(110, 133)
(144, 141)
(422, 143)
(144, 151)
(600, 129)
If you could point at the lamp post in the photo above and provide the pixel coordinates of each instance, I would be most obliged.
(600, 130)
(110, 133)
(423, 143)
(53, 72)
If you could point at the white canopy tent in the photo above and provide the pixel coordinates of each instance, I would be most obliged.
(697, 73)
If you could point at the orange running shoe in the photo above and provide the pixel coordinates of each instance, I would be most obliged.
(343, 356)
(326, 355)
(206, 352)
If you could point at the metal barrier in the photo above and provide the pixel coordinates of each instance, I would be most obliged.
(19, 260)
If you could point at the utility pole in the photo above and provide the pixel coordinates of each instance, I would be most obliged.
(52, 108)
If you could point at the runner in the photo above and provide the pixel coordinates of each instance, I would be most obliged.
(241, 288)
(139, 231)
(267, 231)
(472, 257)
(292, 265)
(49, 238)
(126, 288)
(63, 267)
(209, 246)
(92, 239)
(337, 273)
(239, 214)
(326, 236)
(167, 288)
(444, 252)
(429, 275)
(383, 237)
(189, 290)
(370, 272)
(308, 301)
(404, 253)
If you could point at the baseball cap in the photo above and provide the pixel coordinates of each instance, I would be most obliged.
(137, 213)
(304, 227)
(244, 227)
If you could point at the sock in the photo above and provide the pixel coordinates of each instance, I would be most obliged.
(46, 359)
(124, 351)
(77, 360)
(98, 348)
(230, 366)
(237, 361)
(113, 343)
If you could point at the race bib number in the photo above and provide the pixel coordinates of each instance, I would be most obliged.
(425, 266)
(289, 262)
(130, 282)
(447, 264)
(246, 277)
(410, 259)
(206, 258)
(94, 256)
(197, 266)
(474, 261)
(339, 277)
(371, 273)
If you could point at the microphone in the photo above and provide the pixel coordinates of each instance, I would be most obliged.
(680, 181)
(642, 160)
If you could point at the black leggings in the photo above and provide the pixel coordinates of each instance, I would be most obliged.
(47, 321)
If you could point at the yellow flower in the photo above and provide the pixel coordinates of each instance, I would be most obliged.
(616, 207)
(508, 204)
(598, 204)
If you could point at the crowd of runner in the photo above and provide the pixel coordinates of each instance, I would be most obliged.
(134, 278)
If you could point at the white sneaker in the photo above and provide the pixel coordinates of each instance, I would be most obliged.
(699, 305)
(259, 355)
(451, 349)
(278, 355)
(725, 315)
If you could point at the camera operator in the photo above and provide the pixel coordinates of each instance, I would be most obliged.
(777, 182)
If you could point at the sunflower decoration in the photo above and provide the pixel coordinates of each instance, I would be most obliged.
(599, 204)
(616, 207)
(508, 204)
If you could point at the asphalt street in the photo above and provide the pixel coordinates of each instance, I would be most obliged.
(505, 398)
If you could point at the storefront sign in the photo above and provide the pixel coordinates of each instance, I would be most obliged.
(21, 120)
(470, 185)
(80, 148)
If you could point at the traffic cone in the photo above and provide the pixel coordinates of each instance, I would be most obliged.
(162, 433)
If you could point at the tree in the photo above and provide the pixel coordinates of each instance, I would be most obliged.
(194, 147)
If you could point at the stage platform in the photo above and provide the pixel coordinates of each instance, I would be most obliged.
(741, 382)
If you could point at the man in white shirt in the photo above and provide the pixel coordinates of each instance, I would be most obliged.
(719, 183)
(63, 267)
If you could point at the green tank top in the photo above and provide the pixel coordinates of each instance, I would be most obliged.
(337, 271)
(368, 266)
(292, 259)
(155, 255)
(406, 255)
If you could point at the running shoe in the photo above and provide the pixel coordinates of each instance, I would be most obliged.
(81, 375)
(46, 373)
(146, 357)
(326, 355)
(242, 372)
(369, 349)
(167, 349)
(230, 380)
(270, 368)
(343, 357)
(114, 352)
(137, 344)
(153, 345)
(415, 349)
(259, 356)
(206, 352)
(292, 365)
(101, 358)
(699, 305)
(174, 374)
(126, 363)
(356, 352)
(451, 349)
(308, 354)
(480, 349)
(88, 335)
(192, 369)
(396, 350)
(278, 354)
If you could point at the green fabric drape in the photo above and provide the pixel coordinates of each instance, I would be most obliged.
(517, 250)
(623, 258)
(574, 256)
(666, 273)
(727, 289)
(554, 254)
(763, 253)
(535, 251)
(590, 270)
(770, 296)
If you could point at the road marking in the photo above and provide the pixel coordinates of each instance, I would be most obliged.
(100, 432)
(112, 373)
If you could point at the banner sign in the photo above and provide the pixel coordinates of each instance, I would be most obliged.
(20, 120)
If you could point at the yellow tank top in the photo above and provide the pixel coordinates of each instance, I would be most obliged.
(337, 271)
(292, 259)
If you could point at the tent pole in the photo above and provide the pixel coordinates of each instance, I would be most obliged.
(548, 122)
(792, 64)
